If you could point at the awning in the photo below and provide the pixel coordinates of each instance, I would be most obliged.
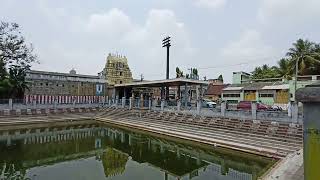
(163, 83)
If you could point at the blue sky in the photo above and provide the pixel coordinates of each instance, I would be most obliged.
(216, 36)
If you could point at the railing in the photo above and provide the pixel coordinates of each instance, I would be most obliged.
(196, 108)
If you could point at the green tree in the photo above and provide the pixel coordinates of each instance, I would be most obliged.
(307, 55)
(179, 73)
(220, 78)
(16, 57)
(265, 72)
(283, 69)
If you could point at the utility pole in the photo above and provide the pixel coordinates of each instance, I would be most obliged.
(296, 78)
(166, 43)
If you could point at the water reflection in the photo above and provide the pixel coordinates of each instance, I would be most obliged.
(102, 152)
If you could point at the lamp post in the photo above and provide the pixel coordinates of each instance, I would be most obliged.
(166, 43)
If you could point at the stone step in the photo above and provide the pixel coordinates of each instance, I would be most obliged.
(239, 132)
(245, 140)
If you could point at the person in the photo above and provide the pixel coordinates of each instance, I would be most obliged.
(289, 108)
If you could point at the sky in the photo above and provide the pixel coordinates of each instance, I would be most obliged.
(215, 36)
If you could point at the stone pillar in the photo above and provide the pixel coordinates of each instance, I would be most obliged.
(254, 109)
(141, 101)
(198, 106)
(130, 103)
(162, 104)
(310, 97)
(290, 109)
(150, 103)
(55, 104)
(295, 112)
(223, 108)
(123, 102)
(10, 104)
(186, 95)
(179, 105)
(117, 100)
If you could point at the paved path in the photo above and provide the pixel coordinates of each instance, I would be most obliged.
(289, 168)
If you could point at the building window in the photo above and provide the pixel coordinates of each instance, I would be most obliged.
(120, 82)
(62, 85)
(232, 101)
(120, 73)
(41, 84)
(266, 95)
(57, 84)
(231, 95)
(47, 84)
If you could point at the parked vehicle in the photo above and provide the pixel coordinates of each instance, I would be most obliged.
(276, 108)
(208, 103)
(247, 105)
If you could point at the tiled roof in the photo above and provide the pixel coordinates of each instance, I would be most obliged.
(256, 86)
(216, 89)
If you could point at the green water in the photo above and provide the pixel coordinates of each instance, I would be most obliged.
(95, 151)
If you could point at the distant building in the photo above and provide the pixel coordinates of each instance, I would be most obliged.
(272, 92)
(215, 81)
(214, 91)
(45, 87)
(240, 77)
(117, 70)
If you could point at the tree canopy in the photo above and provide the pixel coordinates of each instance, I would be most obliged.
(220, 78)
(307, 54)
(16, 57)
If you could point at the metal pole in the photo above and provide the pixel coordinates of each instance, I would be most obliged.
(167, 75)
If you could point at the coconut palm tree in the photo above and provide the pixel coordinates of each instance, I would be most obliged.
(304, 56)
(283, 69)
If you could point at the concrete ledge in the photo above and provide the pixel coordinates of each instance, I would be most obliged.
(287, 168)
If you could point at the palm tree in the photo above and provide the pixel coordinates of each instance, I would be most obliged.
(304, 56)
(283, 69)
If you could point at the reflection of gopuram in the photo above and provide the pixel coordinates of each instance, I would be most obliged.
(114, 162)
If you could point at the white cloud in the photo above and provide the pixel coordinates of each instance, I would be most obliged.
(210, 3)
(289, 12)
(114, 22)
(92, 37)
(245, 53)
(249, 46)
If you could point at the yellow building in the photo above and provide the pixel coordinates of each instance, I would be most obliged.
(117, 70)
